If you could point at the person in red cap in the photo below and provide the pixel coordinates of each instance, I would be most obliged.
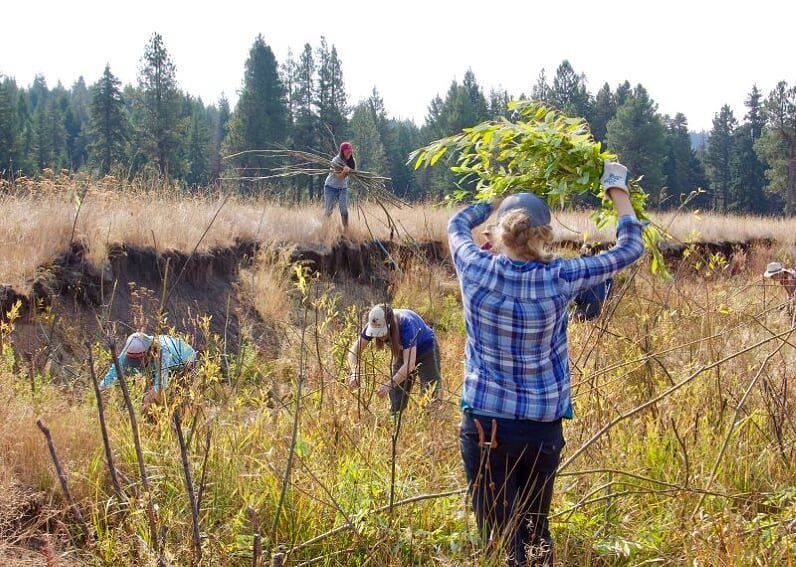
(335, 189)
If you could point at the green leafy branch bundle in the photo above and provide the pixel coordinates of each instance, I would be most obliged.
(540, 151)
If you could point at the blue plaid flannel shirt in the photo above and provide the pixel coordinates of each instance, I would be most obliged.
(516, 361)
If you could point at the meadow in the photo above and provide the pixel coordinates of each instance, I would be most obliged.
(681, 450)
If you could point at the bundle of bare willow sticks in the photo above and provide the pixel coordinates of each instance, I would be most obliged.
(300, 162)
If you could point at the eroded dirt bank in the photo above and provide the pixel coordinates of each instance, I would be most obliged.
(71, 297)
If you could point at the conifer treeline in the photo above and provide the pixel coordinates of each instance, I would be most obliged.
(153, 128)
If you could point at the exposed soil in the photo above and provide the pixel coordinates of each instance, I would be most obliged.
(72, 299)
(87, 301)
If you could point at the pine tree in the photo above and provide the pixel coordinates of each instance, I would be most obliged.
(260, 119)
(747, 171)
(59, 112)
(473, 107)
(622, 92)
(365, 135)
(541, 90)
(681, 167)
(568, 92)
(219, 122)
(25, 151)
(331, 96)
(42, 136)
(464, 105)
(435, 127)
(717, 156)
(635, 134)
(403, 136)
(7, 131)
(76, 124)
(198, 151)
(159, 102)
(288, 72)
(777, 145)
(305, 118)
(108, 125)
(602, 111)
(38, 92)
(498, 103)
(369, 133)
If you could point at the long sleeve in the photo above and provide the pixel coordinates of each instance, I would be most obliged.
(584, 273)
(110, 375)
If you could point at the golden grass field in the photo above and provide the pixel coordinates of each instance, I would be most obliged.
(681, 452)
(40, 217)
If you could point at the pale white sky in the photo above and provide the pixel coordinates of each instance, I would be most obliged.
(691, 56)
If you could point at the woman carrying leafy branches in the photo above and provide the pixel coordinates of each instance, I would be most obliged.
(335, 189)
(516, 374)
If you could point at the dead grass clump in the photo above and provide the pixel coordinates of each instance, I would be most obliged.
(268, 284)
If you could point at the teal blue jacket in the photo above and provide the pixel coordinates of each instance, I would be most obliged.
(175, 354)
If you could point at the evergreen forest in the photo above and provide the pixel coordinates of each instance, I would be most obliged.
(155, 130)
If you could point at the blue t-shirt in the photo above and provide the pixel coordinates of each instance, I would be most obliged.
(412, 331)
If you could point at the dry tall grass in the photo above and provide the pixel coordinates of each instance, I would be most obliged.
(681, 452)
(40, 217)
(704, 475)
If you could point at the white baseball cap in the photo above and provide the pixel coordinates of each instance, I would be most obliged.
(137, 345)
(377, 322)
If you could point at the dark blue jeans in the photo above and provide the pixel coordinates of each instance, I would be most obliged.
(427, 368)
(511, 483)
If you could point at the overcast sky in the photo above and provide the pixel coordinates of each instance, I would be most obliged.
(691, 56)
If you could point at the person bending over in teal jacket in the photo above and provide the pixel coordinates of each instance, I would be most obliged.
(157, 358)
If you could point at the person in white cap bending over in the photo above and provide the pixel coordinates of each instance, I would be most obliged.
(156, 357)
(414, 352)
(516, 360)
(785, 277)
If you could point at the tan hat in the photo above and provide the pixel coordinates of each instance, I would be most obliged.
(773, 269)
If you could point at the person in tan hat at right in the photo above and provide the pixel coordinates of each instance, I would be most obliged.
(785, 277)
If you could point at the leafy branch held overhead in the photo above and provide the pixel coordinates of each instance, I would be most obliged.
(540, 151)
